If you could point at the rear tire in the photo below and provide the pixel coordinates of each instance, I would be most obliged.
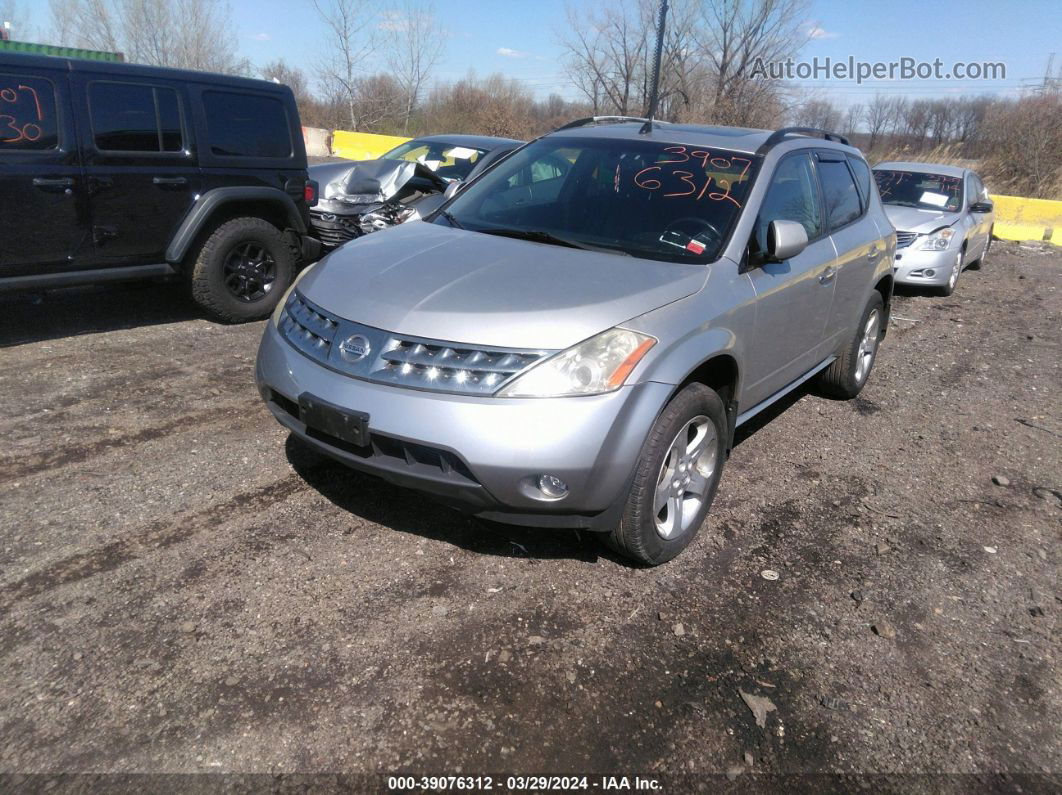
(242, 270)
(848, 374)
(675, 480)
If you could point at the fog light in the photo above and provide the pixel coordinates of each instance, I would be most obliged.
(929, 272)
(552, 486)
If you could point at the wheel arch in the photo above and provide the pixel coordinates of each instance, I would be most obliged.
(884, 286)
(720, 372)
(219, 205)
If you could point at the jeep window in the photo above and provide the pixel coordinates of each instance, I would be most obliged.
(134, 117)
(449, 161)
(672, 202)
(27, 114)
(839, 194)
(918, 189)
(791, 196)
(247, 125)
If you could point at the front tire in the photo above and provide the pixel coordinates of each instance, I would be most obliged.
(953, 278)
(847, 375)
(242, 270)
(980, 263)
(675, 480)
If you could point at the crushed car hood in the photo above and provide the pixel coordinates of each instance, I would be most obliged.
(372, 180)
(913, 219)
(437, 282)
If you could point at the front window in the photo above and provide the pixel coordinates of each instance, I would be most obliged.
(447, 160)
(660, 201)
(919, 189)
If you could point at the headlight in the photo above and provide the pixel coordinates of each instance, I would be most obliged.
(279, 311)
(599, 364)
(937, 241)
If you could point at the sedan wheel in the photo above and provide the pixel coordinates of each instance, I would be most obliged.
(868, 346)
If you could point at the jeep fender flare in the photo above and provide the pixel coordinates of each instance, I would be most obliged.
(208, 203)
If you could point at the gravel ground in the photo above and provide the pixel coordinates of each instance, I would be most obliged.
(183, 589)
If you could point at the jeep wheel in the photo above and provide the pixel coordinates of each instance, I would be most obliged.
(849, 372)
(675, 480)
(242, 270)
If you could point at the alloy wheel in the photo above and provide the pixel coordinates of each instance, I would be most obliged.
(685, 477)
(868, 346)
(250, 272)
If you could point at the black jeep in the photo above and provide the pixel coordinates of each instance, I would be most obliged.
(114, 171)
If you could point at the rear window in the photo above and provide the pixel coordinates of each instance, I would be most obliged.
(27, 114)
(246, 125)
(862, 175)
(839, 193)
(134, 117)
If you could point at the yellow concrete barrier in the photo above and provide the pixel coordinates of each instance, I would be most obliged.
(362, 146)
(1028, 219)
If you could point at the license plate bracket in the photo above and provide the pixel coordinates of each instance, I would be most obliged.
(346, 424)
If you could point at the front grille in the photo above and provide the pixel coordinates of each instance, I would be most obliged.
(389, 452)
(433, 365)
(904, 239)
(334, 232)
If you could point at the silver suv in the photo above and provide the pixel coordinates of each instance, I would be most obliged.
(573, 338)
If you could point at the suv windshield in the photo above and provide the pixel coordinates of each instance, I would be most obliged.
(655, 200)
(447, 160)
(919, 189)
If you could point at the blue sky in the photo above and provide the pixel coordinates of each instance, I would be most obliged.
(517, 38)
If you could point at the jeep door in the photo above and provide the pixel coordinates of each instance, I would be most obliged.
(793, 297)
(856, 238)
(140, 167)
(44, 222)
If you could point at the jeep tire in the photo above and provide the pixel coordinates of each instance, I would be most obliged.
(675, 479)
(242, 269)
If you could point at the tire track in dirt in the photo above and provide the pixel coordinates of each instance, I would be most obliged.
(158, 535)
(15, 468)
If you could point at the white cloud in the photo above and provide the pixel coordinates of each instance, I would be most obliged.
(393, 20)
(815, 31)
(261, 36)
(507, 52)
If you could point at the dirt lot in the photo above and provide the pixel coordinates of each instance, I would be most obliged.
(183, 589)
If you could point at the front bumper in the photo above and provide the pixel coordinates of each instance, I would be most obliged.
(480, 454)
(911, 264)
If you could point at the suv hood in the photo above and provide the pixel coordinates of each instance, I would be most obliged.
(914, 219)
(432, 281)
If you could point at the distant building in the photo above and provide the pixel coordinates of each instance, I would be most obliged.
(49, 49)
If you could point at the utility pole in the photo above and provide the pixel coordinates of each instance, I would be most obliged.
(654, 89)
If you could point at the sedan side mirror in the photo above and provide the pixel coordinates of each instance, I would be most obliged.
(984, 206)
(785, 239)
(452, 189)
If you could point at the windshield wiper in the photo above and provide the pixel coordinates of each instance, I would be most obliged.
(450, 219)
(539, 236)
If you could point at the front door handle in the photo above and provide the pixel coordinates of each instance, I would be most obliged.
(827, 275)
(169, 180)
(873, 253)
(64, 184)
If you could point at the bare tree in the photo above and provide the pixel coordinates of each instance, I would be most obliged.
(17, 15)
(853, 115)
(280, 72)
(734, 36)
(817, 112)
(349, 43)
(188, 34)
(415, 45)
(605, 52)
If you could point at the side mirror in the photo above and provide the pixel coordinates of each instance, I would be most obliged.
(983, 206)
(452, 189)
(785, 239)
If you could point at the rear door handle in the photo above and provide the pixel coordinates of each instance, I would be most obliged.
(827, 275)
(64, 184)
(169, 180)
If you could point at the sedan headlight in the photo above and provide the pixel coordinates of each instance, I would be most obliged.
(594, 366)
(937, 241)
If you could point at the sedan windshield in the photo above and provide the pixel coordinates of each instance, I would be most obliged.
(449, 161)
(919, 189)
(660, 201)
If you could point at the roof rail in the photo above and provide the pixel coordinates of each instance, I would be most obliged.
(778, 136)
(601, 119)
